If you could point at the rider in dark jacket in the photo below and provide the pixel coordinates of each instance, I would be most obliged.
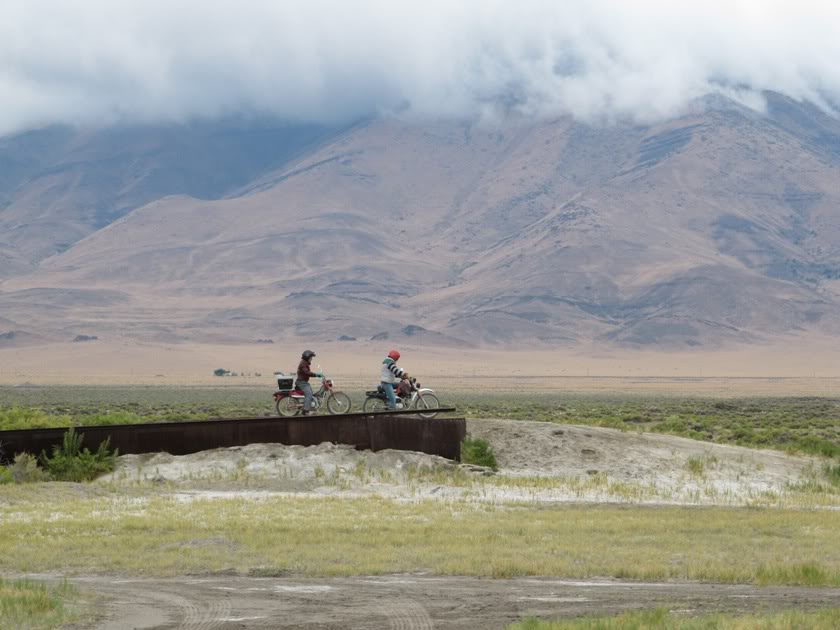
(304, 372)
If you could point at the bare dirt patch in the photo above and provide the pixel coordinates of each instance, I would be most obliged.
(410, 602)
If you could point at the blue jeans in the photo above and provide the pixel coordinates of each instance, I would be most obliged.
(306, 388)
(392, 397)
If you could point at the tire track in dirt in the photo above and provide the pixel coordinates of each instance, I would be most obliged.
(181, 612)
(413, 602)
(407, 614)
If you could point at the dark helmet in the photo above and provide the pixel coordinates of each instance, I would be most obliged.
(308, 354)
(394, 355)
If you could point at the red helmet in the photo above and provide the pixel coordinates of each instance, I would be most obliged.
(394, 355)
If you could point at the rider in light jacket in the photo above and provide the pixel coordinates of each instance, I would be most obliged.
(390, 376)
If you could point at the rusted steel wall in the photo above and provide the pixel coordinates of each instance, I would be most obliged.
(438, 436)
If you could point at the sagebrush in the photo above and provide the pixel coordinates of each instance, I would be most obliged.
(478, 451)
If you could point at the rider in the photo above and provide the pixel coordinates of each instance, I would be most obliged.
(389, 377)
(304, 371)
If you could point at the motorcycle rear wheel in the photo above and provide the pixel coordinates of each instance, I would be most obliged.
(288, 407)
(338, 402)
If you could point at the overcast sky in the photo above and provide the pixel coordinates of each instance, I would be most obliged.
(93, 61)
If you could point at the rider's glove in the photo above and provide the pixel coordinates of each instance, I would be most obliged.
(319, 375)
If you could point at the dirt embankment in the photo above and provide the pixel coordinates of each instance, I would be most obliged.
(567, 463)
(540, 448)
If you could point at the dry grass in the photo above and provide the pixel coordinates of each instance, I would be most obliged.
(812, 492)
(53, 528)
(661, 619)
(27, 604)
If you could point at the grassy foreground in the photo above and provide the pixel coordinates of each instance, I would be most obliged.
(661, 619)
(56, 527)
(26, 604)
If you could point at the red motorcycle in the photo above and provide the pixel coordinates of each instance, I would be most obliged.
(289, 401)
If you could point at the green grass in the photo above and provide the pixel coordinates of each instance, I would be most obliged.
(26, 604)
(478, 452)
(49, 527)
(661, 619)
(833, 474)
(25, 418)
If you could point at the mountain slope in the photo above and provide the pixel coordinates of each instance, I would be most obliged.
(57, 185)
(719, 227)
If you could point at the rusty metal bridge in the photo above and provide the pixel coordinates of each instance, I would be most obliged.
(375, 431)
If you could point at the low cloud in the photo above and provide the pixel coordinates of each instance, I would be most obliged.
(100, 61)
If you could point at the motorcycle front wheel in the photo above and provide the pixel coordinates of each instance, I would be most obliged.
(287, 407)
(374, 404)
(338, 402)
(427, 405)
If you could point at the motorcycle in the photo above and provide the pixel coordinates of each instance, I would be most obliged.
(289, 402)
(421, 399)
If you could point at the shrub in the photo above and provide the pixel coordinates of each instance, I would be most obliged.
(478, 452)
(696, 465)
(25, 418)
(109, 418)
(26, 604)
(833, 474)
(5, 475)
(25, 469)
(70, 462)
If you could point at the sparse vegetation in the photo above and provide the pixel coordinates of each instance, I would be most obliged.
(698, 465)
(662, 619)
(478, 452)
(832, 472)
(70, 462)
(27, 604)
(25, 469)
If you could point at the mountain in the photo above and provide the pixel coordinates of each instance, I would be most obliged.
(58, 184)
(717, 228)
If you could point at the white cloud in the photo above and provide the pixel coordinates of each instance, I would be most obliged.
(93, 61)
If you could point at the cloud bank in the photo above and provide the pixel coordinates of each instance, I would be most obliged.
(102, 61)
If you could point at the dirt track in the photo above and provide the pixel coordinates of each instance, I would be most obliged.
(410, 602)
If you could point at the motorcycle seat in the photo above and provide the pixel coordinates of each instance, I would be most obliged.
(374, 393)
